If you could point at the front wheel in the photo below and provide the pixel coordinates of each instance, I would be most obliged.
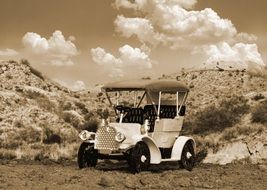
(188, 156)
(139, 158)
(87, 155)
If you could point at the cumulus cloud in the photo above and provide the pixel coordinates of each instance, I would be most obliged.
(238, 56)
(176, 26)
(173, 23)
(56, 49)
(133, 59)
(8, 52)
(140, 27)
(78, 86)
(74, 86)
(245, 38)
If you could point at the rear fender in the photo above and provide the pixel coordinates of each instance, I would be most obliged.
(155, 155)
(179, 145)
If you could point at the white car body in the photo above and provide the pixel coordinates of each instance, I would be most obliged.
(157, 125)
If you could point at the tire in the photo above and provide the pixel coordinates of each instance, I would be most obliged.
(87, 155)
(139, 158)
(188, 156)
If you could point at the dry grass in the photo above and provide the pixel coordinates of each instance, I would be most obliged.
(33, 70)
(217, 118)
(259, 113)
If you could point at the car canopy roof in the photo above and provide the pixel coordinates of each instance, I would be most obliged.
(147, 85)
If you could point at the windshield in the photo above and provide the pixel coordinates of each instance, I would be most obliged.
(127, 98)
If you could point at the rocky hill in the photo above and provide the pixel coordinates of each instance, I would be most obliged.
(223, 107)
(40, 119)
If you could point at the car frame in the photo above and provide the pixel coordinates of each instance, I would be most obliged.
(142, 135)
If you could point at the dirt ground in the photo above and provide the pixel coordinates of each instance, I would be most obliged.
(17, 175)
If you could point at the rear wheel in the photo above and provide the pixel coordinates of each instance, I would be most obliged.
(188, 156)
(87, 155)
(139, 158)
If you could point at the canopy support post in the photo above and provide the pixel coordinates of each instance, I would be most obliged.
(159, 105)
(177, 104)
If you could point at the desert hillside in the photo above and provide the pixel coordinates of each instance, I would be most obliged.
(40, 119)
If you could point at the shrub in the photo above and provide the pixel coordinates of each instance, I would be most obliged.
(66, 106)
(30, 135)
(45, 104)
(82, 107)
(33, 70)
(53, 138)
(7, 154)
(217, 118)
(259, 113)
(90, 125)
(50, 137)
(103, 113)
(258, 97)
(73, 118)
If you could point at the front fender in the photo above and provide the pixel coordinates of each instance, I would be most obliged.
(179, 145)
(155, 155)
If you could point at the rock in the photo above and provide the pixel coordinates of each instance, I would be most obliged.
(228, 154)
(106, 181)
(143, 181)
(130, 183)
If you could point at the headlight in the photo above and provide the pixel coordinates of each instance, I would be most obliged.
(119, 137)
(86, 135)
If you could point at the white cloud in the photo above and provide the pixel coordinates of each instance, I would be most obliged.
(173, 24)
(57, 50)
(140, 27)
(130, 60)
(78, 86)
(245, 38)
(135, 57)
(176, 26)
(74, 86)
(8, 52)
(188, 4)
(101, 57)
(238, 56)
(136, 5)
(144, 4)
(59, 62)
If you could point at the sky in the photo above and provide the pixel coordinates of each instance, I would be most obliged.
(81, 43)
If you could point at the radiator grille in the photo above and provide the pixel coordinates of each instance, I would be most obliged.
(105, 139)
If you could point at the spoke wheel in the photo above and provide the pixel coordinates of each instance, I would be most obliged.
(87, 155)
(139, 159)
(188, 156)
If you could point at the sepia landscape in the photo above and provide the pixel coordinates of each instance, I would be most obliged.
(49, 93)
(40, 122)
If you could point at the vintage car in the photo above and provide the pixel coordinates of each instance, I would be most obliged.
(145, 131)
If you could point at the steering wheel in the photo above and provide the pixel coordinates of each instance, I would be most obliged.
(122, 108)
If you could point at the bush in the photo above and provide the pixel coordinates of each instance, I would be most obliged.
(73, 118)
(50, 137)
(258, 97)
(45, 104)
(103, 113)
(7, 154)
(259, 113)
(53, 138)
(90, 125)
(82, 107)
(217, 118)
(33, 70)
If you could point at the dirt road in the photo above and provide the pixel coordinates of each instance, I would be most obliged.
(15, 175)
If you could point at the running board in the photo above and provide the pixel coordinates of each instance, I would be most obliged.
(169, 160)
